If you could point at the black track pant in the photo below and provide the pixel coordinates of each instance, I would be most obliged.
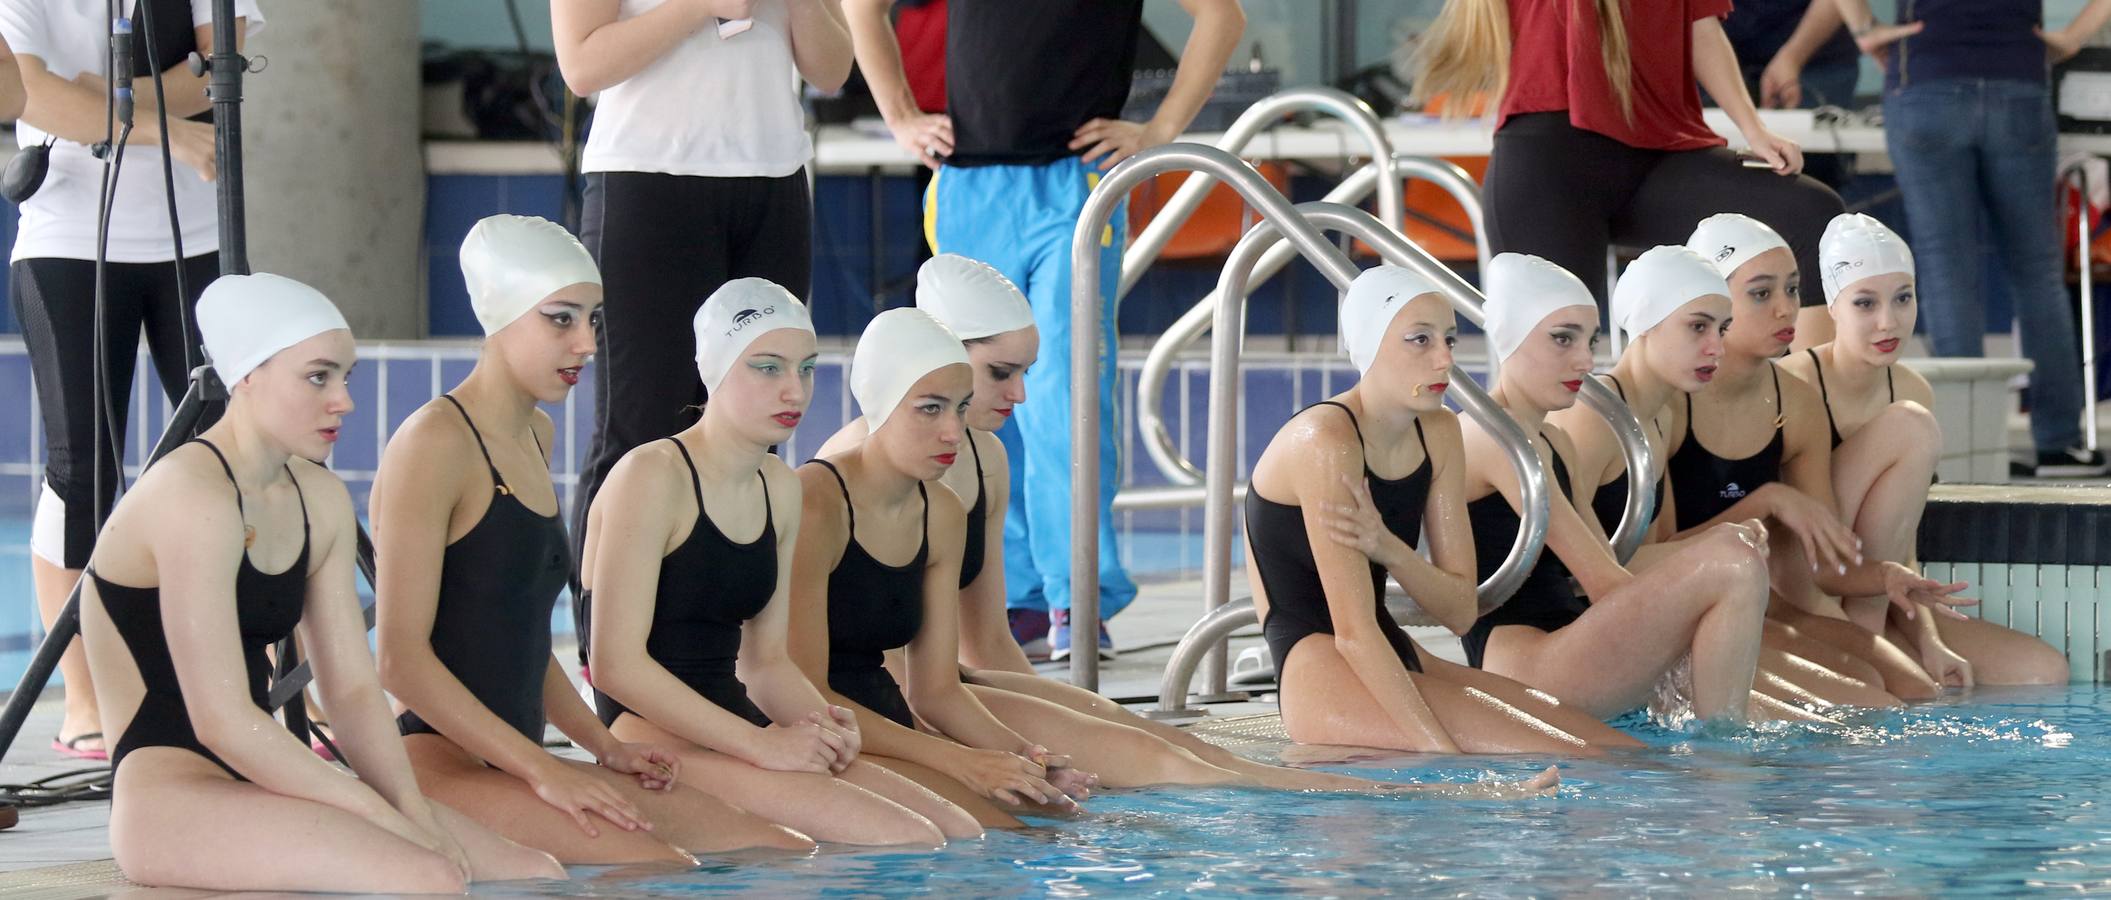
(55, 302)
(1563, 193)
(664, 243)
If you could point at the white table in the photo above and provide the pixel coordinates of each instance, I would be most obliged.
(861, 149)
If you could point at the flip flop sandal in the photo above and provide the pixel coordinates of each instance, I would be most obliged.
(71, 747)
(321, 741)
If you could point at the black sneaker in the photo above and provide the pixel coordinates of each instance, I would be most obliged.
(2072, 462)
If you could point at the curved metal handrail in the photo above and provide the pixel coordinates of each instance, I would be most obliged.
(1085, 347)
(1217, 522)
(1145, 246)
(1200, 647)
(1627, 429)
(1158, 442)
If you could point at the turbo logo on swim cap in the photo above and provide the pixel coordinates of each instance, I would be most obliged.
(745, 316)
(1729, 240)
(738, 313)
(1855, 247)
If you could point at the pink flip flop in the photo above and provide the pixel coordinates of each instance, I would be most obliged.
(71, 747)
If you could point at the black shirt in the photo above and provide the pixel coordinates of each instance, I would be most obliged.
(1968, 39)
(1758, 29)
(1022, 75)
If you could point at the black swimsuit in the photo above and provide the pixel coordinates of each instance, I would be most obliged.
(491, 623)
(1282, 555)
(1545, 600)
(709, 587)
(267, 607)
(1706, 484)
(1890, 395)
(978, 519)
(1610, 501)
(873, 608)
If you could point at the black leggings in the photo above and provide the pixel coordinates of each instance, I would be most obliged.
(1563, 193)
(55, 302)
(664, 243)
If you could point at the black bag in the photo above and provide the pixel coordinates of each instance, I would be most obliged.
(493, 95)
(25, 173)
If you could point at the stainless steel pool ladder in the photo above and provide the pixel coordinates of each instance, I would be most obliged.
(1202, 646)
(1085, 350)
(1381, 173)
(1157, 437)
(1362, 120)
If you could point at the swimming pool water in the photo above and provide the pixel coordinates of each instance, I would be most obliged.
(1997, 792)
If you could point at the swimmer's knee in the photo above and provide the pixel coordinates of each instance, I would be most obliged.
(2043, 664)
(951, 823)
(426, 872)
(1912, 426)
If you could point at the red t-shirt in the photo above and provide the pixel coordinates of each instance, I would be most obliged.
(920, 29)
(1555, 64)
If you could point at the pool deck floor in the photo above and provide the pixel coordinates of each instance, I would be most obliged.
(62, 852)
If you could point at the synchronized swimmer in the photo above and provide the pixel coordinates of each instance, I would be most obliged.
(782, 656)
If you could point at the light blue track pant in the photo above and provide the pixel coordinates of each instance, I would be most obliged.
(1020, 219)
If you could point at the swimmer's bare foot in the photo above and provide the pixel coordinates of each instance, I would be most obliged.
(1545, 783)
(1541, 785)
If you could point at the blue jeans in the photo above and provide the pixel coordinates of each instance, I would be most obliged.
(1019, 219)
(1976, 157)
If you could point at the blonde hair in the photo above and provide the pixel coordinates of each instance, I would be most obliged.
(1466, 52)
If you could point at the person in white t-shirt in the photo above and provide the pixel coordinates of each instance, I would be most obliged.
(60, 54)
(695, 175)
(11, 99)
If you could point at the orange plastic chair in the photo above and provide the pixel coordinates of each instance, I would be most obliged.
(1434, 221)
(1216, 225)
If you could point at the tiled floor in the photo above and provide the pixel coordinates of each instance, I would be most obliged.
(77, 832)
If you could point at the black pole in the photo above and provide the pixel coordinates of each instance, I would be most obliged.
(225, 90)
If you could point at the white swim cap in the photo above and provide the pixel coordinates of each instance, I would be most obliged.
(899, 347)
(971, 297)
(1373, 299)
(1661, 281)
(735, 315)
(1857, 246)
(1730, 240)
(1523, 290)
(247, 318)
(512, 263)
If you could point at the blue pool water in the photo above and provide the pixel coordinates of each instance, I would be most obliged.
(1996, 793)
